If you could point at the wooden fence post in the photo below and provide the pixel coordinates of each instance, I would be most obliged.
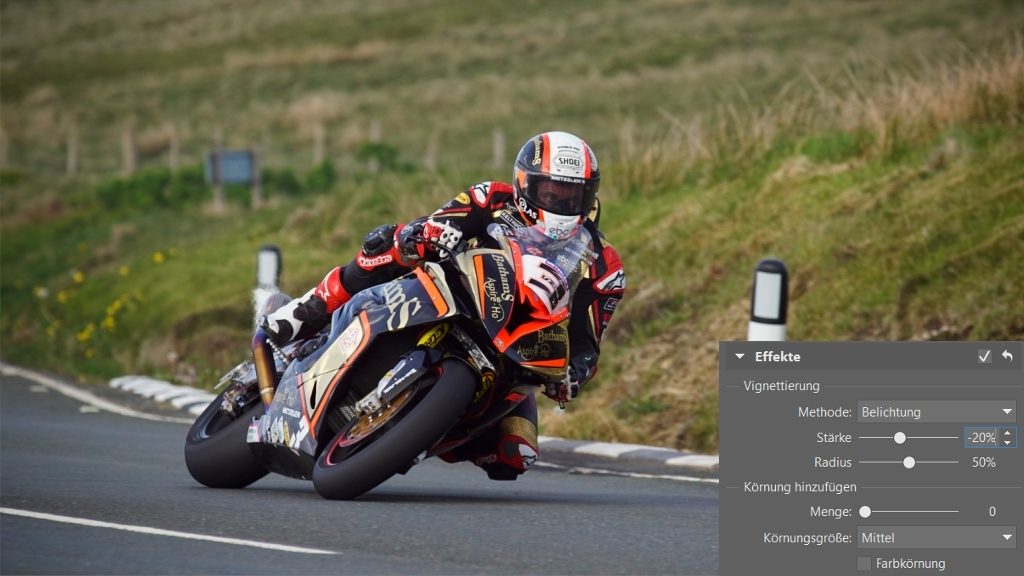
(319, 138)
(72, 150)
(173, 149)
(129, 160)
(3, 148)
(430, 156)
(218, 187)
(257, 179)
(498, 149)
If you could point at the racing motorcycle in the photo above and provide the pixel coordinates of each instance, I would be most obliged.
(407, 370)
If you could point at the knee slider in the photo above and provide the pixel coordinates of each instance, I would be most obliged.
(516, 453)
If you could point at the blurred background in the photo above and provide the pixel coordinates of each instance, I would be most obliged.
(874, 145)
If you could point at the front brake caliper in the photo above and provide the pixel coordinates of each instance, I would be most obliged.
(237, 398)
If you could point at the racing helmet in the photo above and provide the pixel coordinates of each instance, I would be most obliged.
(555, 182)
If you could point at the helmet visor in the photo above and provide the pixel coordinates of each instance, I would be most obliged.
(561, 195)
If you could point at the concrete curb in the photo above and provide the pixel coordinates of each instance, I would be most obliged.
(194, 401)
(632, 452)
(191, 400)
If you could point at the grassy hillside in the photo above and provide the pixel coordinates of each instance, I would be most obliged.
(875, 146)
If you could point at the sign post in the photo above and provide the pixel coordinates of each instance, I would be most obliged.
(233, 167)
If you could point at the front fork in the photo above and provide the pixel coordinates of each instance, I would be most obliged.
(266, 369)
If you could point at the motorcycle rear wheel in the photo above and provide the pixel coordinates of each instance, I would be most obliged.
(216, 452)
(343, 472)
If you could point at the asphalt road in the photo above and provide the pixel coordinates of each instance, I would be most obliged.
(57, 459)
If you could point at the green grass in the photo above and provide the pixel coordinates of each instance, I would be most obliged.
(874, 146)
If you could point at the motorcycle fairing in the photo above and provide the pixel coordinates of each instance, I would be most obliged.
(545, 351)
(493, 285)
(410, 367)
(522, 293)
(294, 418)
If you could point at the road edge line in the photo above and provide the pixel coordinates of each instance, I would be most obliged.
(161, 532)
(85, 396)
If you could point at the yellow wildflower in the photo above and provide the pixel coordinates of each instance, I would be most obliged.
(158, 257)
(41, 292)
(86, 334)
(115, 307)
(123, 270)
(62, 297)
(78, 277)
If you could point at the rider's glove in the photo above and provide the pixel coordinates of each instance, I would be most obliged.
(379, 240)
(442, 236)
(409, 242)
(416, 237)
(565, 391)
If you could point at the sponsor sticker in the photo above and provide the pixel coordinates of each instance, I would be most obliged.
(525, 208)
(401, 307)
(462, 198)
(433, 336)
(365, 262)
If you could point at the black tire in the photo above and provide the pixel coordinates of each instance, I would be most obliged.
(392, 449)
(216, 452)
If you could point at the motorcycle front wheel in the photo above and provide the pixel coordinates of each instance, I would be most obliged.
(216, 452)
(369, 450)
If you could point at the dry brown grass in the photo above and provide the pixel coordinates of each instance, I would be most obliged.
(902, 110)
(675, 372)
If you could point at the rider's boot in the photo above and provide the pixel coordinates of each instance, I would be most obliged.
(307, 314)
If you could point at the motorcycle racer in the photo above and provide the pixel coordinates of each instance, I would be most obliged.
(555, 185)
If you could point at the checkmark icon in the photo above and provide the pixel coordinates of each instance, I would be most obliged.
(984, 356)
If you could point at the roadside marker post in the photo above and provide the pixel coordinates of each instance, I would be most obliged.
(267, 296)
(268, 267)
(769, 301)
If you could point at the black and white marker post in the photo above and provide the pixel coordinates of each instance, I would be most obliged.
(268, 277)
(769, 301)
(268, 267)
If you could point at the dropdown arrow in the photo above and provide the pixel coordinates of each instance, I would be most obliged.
(1007, 536)
(1007, 410)
(741, 354)
(1007, 442)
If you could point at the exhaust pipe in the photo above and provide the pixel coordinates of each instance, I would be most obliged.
(266, 369)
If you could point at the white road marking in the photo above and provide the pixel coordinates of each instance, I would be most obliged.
(695, 460)
(179, 396)
(86, 409)
(598, 471)
(613, 450)
(671, 457)
(84, 396)
(162, 532)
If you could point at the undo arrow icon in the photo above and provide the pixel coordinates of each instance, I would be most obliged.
(1007, 355)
